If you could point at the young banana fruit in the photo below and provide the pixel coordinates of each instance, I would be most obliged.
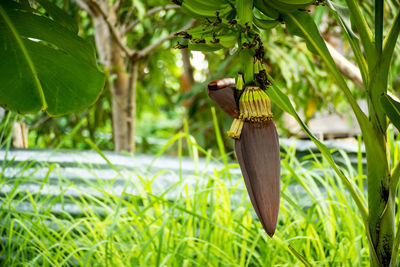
(288, 6)
(283, 6)
(201, 9)
(218, 34)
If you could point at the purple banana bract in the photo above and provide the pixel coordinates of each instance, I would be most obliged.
(258, 152)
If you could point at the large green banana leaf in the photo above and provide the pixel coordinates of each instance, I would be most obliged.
(44, 65)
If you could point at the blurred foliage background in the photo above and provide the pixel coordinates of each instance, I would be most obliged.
(165, 98)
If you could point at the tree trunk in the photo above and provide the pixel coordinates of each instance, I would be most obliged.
(187, 67)
(132, 104)
(187, 77)
(111, 56)
(20, 135)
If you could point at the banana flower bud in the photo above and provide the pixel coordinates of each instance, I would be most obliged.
(256, 146)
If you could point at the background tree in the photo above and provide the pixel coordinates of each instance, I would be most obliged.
(121, 48)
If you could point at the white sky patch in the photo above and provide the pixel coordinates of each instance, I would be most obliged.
(179, 61)
(200, 66)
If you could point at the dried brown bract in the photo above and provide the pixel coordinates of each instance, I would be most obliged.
(222, 92)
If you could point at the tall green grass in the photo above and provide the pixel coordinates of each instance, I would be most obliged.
(206, 223)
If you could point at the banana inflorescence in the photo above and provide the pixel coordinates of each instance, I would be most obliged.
(212, 34)
(256, 140)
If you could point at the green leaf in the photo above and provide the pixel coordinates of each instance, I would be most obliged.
(362, 28)
(302, 23)
(390, 43)
(141, 9)
(44, 66)
(280, 99)
(392, 109)
(376, 157)
(60, 16)
(293, 28)
(342, 14)
(44, 29)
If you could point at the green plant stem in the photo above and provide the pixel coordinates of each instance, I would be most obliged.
(381, 186)
(395, 177)
(379, 76)
(380, 201)
(393, 191)
(380, 223)
(381, 205)
(220, 142)
(396, 244)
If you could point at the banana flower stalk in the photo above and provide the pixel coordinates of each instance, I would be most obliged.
(256, 144)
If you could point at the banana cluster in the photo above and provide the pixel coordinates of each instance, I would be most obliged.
(273, 8)
(225, 24)
(205, 8)
(210, 36)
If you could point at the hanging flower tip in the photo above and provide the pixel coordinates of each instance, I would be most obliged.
(236, 129)
(239, 82)
(271, 234)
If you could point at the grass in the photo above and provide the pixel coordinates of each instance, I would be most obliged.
(208, 222)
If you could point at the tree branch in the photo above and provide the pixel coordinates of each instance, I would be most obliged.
(153, 46)
(149, 13)
(347, 68)
(84, 6)
(352, 72)
(113, 30)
